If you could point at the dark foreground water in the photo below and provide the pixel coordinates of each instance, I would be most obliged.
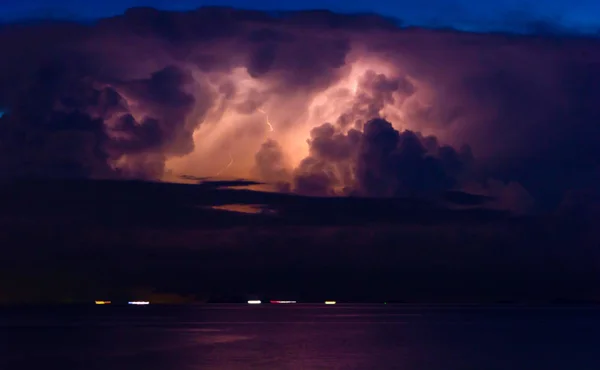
(299, 337)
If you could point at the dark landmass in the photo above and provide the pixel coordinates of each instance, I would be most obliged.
(78, 241)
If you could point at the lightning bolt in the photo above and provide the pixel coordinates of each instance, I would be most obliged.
(226, 167)
(266, 115)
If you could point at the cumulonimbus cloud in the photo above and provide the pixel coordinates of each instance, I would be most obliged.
(315, 102)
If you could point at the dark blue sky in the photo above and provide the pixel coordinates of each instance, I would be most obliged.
(469, 14)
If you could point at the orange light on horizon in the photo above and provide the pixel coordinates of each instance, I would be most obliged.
(102, 302)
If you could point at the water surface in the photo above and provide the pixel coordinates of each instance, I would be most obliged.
(300, 337)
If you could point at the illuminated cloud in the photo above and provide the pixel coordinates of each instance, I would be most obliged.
(315, 102)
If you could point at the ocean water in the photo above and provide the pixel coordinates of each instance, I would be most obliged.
(299, 337)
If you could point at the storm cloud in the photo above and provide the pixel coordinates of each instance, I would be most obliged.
(316, 102)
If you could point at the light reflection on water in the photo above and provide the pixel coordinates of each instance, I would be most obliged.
(267, 337)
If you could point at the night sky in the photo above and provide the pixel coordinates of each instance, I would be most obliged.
(225, 153)
(466, 14)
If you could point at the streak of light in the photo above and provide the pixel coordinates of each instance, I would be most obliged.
(268, 122)
(102, 302)
(240, 208)
(354, 87)
(330, 302)
(226, 167)
(282, 302)
(139, 303)
(254, 301)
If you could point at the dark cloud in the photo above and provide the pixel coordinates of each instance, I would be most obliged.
(535, 124)
(293, 66)
(262, 60)
(94, 201)
(73, 126)
(328, 169)
(379, 161)
(169, 236)
(123, 96)
(166, 106)
(375, 90)
(46, 135)
(64, 145)
(271, 165)
(325, 18)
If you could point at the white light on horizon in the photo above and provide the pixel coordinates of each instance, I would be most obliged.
(139, 303)
(254, 301)
(330, 302)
